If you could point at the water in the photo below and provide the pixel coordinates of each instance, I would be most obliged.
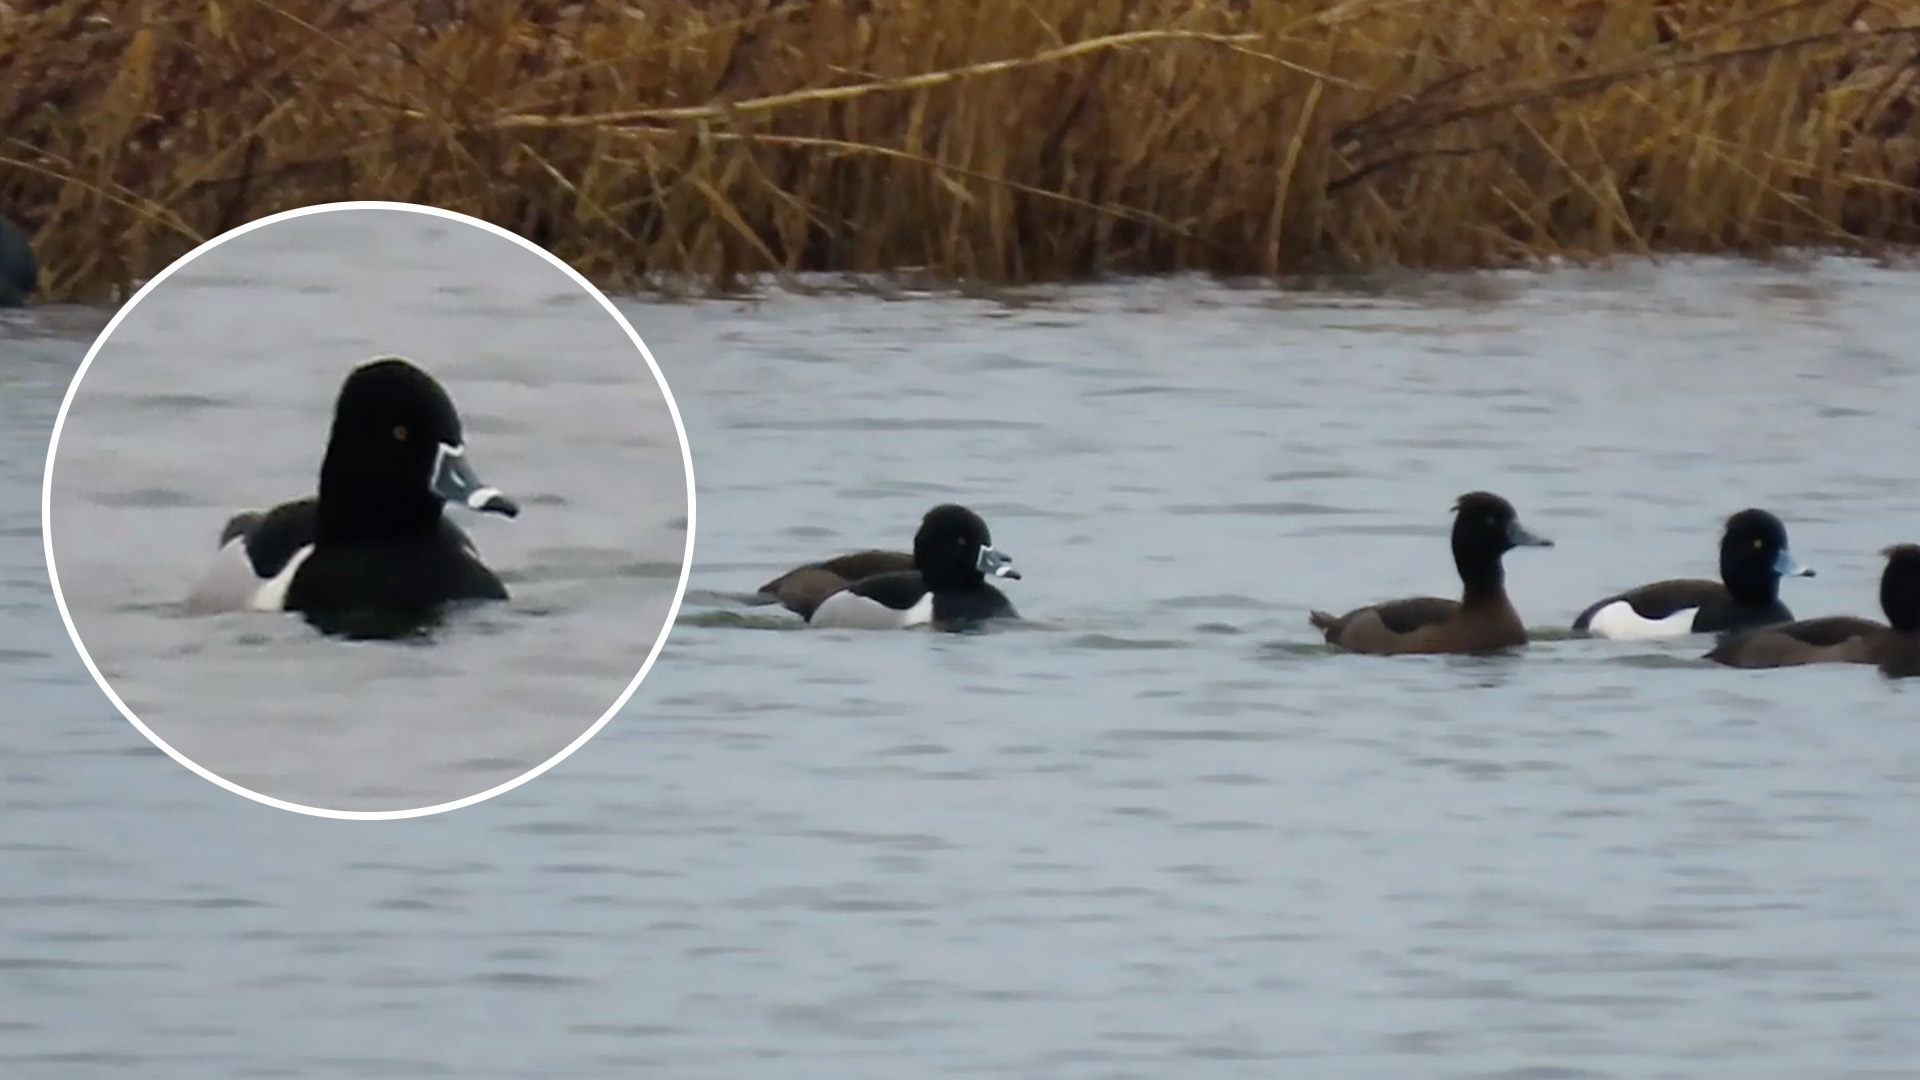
(1157, 833)
(215, 394)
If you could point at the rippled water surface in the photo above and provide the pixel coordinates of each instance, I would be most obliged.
(1158, 832)
(215, 394)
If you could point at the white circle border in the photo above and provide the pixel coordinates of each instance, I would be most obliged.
(53, 446)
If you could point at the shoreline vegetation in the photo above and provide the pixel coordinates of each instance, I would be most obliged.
(674, 144)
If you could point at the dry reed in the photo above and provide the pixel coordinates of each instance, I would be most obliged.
(655, 141)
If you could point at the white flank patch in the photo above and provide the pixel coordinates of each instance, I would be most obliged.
(272, 594)
(847, 610)
(920, 614)
(1620, 622)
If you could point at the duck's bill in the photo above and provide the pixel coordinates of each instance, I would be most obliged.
(456, 482)
(997, 563)
(1520, 536)
(1786, 565)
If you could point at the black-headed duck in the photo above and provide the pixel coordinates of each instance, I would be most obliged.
(371, 553)
(1753, 559)
(1485, 528)
(953, 554)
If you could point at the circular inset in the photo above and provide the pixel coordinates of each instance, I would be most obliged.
(368, 510)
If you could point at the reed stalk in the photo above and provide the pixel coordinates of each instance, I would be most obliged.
(653, 143)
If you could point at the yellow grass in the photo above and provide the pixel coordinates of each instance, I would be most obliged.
(660, 141)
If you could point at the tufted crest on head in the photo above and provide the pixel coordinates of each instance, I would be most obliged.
(1486, 526)
(1484, 502)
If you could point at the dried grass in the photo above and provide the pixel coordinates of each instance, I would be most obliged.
(661, 141)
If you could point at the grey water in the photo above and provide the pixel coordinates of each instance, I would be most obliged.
(215, 394)
(1159, 830)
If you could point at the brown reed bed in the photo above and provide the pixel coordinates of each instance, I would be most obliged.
(658, 141)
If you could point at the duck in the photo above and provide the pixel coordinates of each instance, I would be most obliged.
(1483, 620)
(801, 589)
(1900, 600)
(1754, 557)
(371, 553)
(19, 269)
(947, 588)
(1893, 646)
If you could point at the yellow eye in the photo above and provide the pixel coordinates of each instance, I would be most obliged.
(400, 432)
(1758, 543)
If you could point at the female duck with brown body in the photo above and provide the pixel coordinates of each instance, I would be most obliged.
(1753, 559)
(1485, 528)
(1843, 639)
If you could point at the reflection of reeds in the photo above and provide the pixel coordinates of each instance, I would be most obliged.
(984, 139)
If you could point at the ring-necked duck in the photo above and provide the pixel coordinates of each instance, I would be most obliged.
(952, 555)
(19, 270)
(1843, 639)
(801, 589)
(1753, 559)
(371, 555)
(1485, 527)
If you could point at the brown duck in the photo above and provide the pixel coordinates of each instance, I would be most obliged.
(1893, 646)
(1485, 528)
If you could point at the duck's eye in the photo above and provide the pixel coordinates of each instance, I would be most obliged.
(400, 433)
(1758, 543)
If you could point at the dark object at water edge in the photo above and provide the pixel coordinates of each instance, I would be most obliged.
(19, 270)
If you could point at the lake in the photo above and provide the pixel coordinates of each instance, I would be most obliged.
(1160, 830)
